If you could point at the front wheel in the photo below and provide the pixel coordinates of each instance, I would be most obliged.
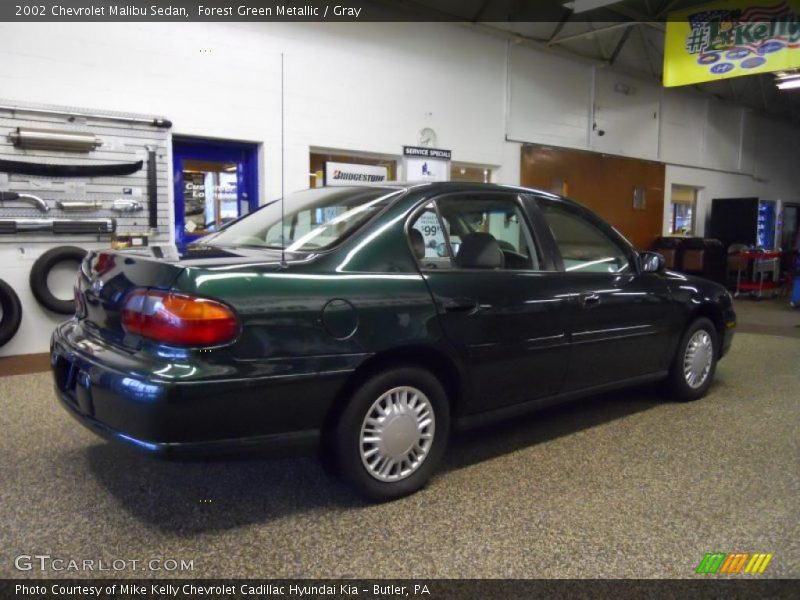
(393, 432)
(695, 361)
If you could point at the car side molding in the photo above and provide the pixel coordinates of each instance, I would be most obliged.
(468, 422)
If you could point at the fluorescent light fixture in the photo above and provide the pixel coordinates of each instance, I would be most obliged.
(789, 84)
(579, 6)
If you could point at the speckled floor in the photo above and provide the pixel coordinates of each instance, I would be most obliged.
(622, 485)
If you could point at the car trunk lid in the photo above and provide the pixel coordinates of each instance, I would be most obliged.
(107, 277)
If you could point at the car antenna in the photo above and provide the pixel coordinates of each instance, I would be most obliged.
(283, 162)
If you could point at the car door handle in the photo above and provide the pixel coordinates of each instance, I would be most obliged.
(465, 305)
(590, 300)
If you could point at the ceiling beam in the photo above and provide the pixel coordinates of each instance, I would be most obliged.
(643, 18)
(481, 10)
(590, 32)
(666, 8)
(566, 15)
(579, 6)
(620, 44)
(599, 43)
(643, 40)
(525, 40)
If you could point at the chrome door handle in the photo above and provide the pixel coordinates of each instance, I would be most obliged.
(465, 305)
(590, 300)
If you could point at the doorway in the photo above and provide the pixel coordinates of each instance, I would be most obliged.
(215, 182)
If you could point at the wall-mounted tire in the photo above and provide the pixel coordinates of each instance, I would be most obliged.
(41, 269)
(12, 313)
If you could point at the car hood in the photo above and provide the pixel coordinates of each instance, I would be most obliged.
(700, 287)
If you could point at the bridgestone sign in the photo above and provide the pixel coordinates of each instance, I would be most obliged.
(352, 174)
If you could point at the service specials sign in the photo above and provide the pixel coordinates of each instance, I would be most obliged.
(427, 164)
(730, 39)
(337, 173)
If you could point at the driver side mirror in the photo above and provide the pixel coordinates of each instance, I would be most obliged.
(651, 262)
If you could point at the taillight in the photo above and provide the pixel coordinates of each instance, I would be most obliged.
(179, 319)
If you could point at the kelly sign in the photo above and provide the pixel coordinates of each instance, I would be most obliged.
(731, 38)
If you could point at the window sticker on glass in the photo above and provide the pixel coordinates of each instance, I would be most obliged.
(429, 226)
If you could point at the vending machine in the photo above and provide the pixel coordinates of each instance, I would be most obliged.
(749, 221)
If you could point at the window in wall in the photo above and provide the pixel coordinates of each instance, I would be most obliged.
(584, 247)
(318, 160)
(210, 195)
(467, 173)
(682, 210)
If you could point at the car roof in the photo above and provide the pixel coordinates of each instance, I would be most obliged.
(430, 188)
(452, 186)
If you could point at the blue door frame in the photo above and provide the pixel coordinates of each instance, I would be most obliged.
(244, 155)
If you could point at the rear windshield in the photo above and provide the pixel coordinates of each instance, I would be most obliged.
(313, 219)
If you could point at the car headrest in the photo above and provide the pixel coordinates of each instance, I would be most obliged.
(504, 245)
(479, 251)
(417, 243)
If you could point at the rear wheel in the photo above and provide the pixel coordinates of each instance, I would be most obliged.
(392, 433)
(695, 360)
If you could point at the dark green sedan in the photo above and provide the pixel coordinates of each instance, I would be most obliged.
(367, 322)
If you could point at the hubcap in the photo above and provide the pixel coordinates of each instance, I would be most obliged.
(698, 357)
(397, 434)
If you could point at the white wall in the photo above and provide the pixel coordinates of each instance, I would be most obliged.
(370, 87)
(724, 149)
(362, 87)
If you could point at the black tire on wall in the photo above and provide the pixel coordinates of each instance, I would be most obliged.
(41, 269)
(12, 313)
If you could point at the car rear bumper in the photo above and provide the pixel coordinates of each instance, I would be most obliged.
(120, 396)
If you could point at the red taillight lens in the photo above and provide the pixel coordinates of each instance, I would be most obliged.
(179, 319)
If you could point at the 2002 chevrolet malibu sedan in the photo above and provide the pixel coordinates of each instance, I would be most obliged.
(368, 321)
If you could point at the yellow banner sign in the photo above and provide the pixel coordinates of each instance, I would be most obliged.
(731, 38)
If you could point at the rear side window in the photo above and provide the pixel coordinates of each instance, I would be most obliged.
(585, 248)
(474, 232)
(311, 220)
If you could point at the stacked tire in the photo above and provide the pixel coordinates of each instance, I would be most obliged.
(11, 313)
(40, 271)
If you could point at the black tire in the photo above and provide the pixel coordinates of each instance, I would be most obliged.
(681, 388)
(346, 443)
(41, 269)
(12, 313)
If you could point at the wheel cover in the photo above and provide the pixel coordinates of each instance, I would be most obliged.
(397, 434)
(698, 358)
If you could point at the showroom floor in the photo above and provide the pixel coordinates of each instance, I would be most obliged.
(622, 485)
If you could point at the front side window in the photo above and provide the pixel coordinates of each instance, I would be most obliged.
(474, 232)
(313, 220)
(585, 248)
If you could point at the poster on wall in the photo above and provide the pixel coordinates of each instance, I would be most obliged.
(731, 38)
(426, 164)
(337, 173)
